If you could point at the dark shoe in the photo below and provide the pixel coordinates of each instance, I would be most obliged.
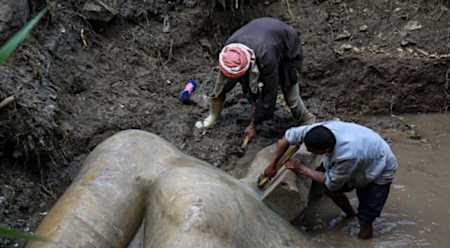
(365, 231)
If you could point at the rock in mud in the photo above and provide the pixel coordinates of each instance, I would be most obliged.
(101, 10)
(13, 15)
(286, 186)
(346, 47)
(363, 28)
(412, 25)
(343, 36)
(407, 42)
(190, 3)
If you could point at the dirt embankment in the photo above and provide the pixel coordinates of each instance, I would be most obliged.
(78, 81)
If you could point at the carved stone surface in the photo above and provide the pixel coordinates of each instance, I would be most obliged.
(287, 194)
(136, 177)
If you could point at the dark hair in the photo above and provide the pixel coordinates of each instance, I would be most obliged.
(320, 138)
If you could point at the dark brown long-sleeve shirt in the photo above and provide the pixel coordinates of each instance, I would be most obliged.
(278, 52)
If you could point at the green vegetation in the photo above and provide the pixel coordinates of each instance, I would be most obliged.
(14, 234)
(5, 51)
(10, 46)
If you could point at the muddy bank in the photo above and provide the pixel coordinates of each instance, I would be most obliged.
(75, 90)
(77, 78)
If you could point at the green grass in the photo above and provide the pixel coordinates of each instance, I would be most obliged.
(5, 51)
(15, 234)
(10, 46)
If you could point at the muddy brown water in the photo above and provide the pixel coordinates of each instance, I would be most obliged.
(417, 213)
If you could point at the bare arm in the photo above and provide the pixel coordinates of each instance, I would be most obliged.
(250, 131)
(282, 146)
(334, 178)
(298, 168)
(313, 174)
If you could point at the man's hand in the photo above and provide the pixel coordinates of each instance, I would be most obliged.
(250, 132)
(296, 167)
(270, 171)
(291, 165)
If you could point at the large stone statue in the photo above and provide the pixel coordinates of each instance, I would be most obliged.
(136, 178)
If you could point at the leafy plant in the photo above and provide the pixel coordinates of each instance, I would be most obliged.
(15, 234)
(5, 51)
(10, 46)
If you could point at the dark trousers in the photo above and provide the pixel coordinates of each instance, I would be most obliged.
(372, 199)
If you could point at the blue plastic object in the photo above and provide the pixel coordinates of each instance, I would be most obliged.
(190, 87)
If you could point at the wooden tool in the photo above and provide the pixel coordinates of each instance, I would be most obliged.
(245, 142)
(263, 180)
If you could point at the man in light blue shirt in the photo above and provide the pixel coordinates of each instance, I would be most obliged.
(355, 157)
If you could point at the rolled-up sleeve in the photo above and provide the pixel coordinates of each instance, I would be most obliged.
(339, 174)
(295, 135)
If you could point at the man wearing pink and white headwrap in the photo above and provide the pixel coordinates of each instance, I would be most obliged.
(235, 59)
(262, 56)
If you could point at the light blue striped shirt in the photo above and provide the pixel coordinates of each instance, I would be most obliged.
(360, 157)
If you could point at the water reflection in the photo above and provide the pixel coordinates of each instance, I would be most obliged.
(327, 226)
